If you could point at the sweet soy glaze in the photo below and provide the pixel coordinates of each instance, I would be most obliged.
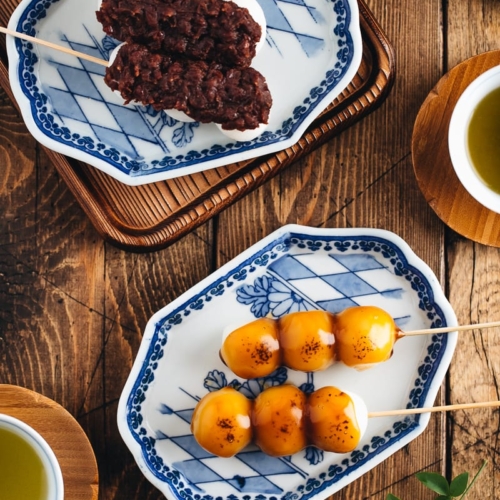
(483, 140)
(22, 473)
(281, 421)
(308, 341)
(221, 422)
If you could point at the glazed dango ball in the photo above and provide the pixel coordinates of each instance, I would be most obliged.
(278, 420)
(253, 350)
(309, 341)
(284, 420)
(365, 336)
(336, 419)
(221, 422)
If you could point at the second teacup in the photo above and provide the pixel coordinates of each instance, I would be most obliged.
(474, 139)
(28, 467)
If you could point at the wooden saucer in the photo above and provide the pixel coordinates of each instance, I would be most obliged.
(431, 160)
(63, 434)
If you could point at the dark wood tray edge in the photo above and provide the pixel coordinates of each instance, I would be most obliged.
(243, 181)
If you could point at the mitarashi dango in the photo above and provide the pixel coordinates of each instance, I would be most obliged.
(278, 420)
(253, 350)
(284, 420)
(308, 341)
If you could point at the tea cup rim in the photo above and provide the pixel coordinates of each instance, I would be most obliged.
(43, 450)
(477, 90)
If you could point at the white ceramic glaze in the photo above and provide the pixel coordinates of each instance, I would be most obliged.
(55, 485)
(312, 50)
(294, 268)
(360, 410)
(457, 138)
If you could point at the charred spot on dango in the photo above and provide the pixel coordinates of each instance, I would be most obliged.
(278, 420)
(336, 420)
(307, 340)
(252, 350)
(365, 336)
(221, 422)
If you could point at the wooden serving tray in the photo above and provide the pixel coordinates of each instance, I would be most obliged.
(152, 216)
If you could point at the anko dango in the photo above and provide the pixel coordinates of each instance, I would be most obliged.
(191, 59)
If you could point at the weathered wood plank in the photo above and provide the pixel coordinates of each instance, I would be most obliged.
(67, 297)
(474, 280)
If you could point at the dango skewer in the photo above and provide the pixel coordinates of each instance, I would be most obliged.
(433, 409)
(448, 329)
(310, 341)
(247, 76)
(282, 420)
(252, 6)
(360, 337)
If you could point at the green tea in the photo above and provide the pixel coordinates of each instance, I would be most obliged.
(22, 474)
(483, 140)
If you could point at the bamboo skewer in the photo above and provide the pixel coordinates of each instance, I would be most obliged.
(51, 45)
(433, 409)
(448, 329)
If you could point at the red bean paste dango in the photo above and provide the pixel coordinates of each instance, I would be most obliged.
(359, 337)
(207, 92)
(211, 30)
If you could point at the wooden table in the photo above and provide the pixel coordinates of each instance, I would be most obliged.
(73, 308)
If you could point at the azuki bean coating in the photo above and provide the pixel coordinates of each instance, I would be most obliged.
(207, 92)
(211, 30)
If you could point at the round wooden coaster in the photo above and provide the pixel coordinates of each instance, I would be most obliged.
(63, 434)
(431, 160)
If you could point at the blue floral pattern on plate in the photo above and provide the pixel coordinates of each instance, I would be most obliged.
(296, 268)
(67, 106)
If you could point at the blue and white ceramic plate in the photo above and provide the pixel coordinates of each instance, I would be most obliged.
(313, 50)
(295, 268)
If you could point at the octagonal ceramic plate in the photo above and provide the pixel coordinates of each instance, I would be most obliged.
(295, 268)
(313, 49)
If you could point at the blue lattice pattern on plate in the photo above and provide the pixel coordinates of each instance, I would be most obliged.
(257, 472)
(293, 272)
(330, 282)
(69, 104)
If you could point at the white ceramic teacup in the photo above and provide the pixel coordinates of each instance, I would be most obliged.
(54, 486)
(458, 138)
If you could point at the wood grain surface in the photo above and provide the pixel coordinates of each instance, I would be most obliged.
(73, 307)
(63, 434)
